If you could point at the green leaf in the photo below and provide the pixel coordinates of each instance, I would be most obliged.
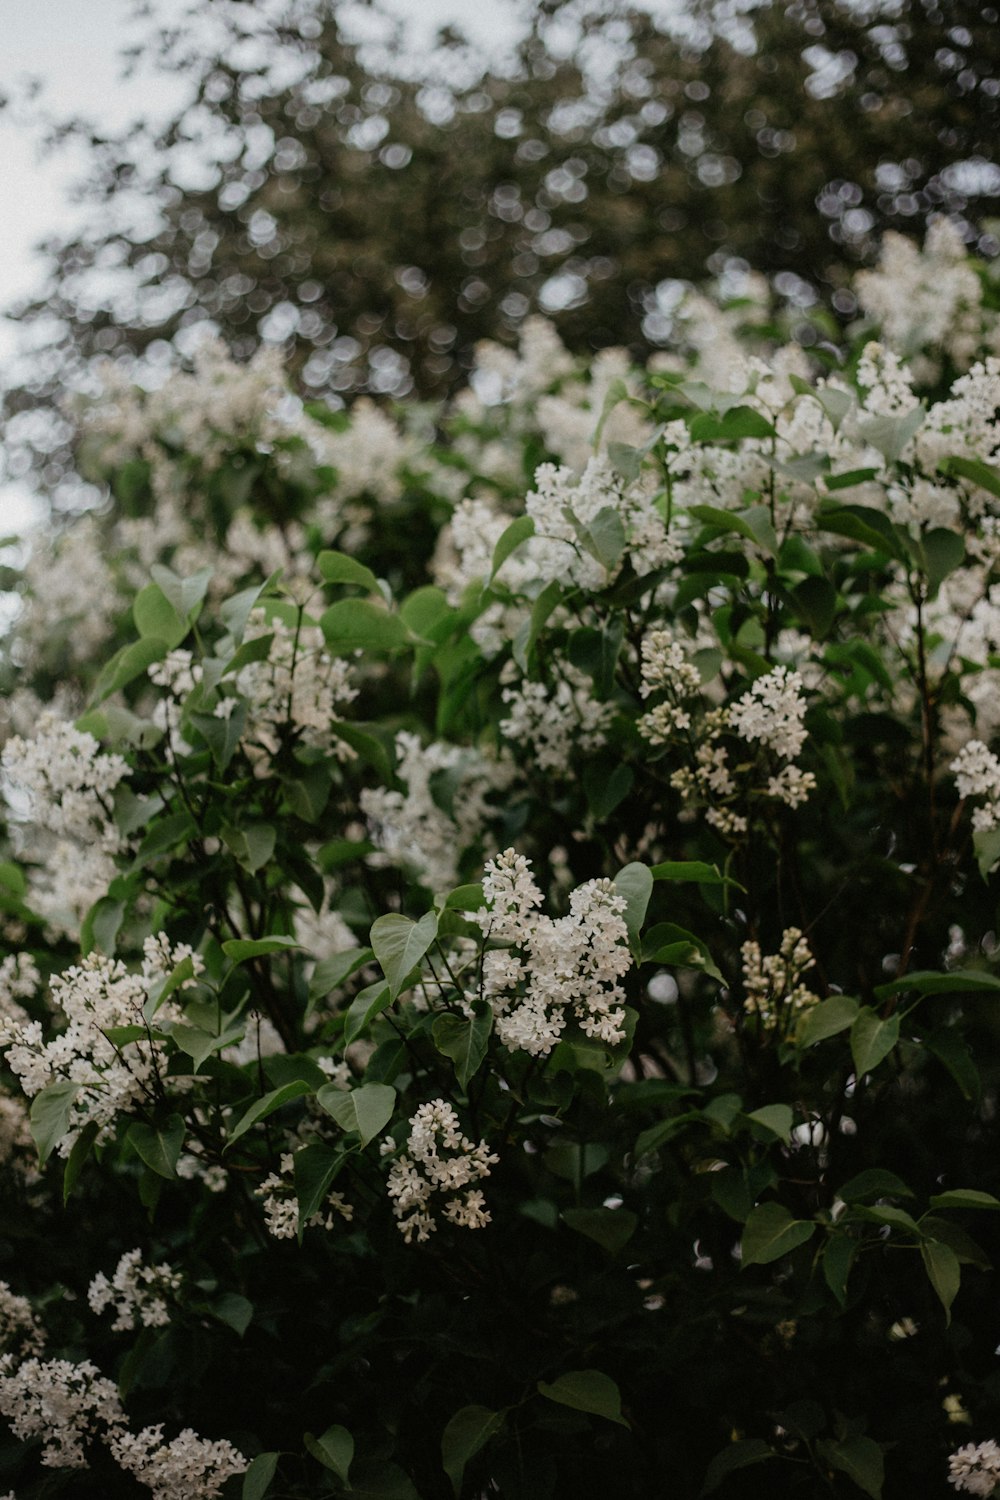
(400, 943)
(986, 842)
(240, 949)
(838, 1257)
(252, 846)
(771, 1232)
(872, 1039)
(964, 1198)
(586, 1390)
(816, 602)
(738, 422)
(722, 520)
(611, 1228)
(776, 1119)
(464, 1039)
(127, 664)
(516, 533)
(334, 1450)
(358, 625)
(367, 1109)
(890, 435)
(738, 1455)
(337, 567)
(158, 1146)
(635, 883)
(51, 1109)
(931, 982)
(376, 1480)
(983, 474)
(616, 393)
(860, 1458)
(81, 1149)
(826, 1019)
(469, 1430)
(315, 1168)
(366, 1005)
(155, 616)
(603, 791)
(952, 1051)
(167, 835)
(184, 594)
(257, 1479)
(199, 1044)
(261, 1108)
(331, 972)
(626, 460)
(875, 1182)
(524, 643)
(465, 898)
(604, 537)
(943, 552)
(233, 1310)
(690, 871)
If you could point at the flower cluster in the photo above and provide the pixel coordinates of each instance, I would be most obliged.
(96, 996)
(298, 684)
(438, 1159)
(189, 1467)
(977, 774)
(139, 1294)
(975, 1468)
(549, 720)
(410, 828)
(666, 669)
(772, 713)
(61, 1403)
(281, 1204)
(68, 779)
(772, 983)
(20, 1330)
(568, 512)
(553, 968)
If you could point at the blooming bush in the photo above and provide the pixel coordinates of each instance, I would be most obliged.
(501, 964)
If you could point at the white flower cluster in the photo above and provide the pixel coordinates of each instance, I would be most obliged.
(139, 1294)
(19, 980)
(773, 983)
(189, 1467)
(72, 597)
(370, 454)
(977, 774)
(64, 1404)
(666, 669)
(19, 1328)
(928, 300)
(552, 719)
(67, 778)
(410, 828)
(298, 684)
(772, 712)
(560, 498)
(438, 1159)
(552, 968)
(95, 996)
(975, 1468)
(281, 1204)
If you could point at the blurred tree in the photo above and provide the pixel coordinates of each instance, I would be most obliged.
(380, 225)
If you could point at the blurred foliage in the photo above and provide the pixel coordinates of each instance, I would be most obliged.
(378, 225)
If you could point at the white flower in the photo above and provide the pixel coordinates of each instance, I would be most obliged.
(975, 1468)
(139, 1294)
(61, 1403)
(773, 983)
(772, 712)
(189, 1467)
(424, 1169)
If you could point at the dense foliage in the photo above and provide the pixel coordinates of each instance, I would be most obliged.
(500, 925)
(376, 225)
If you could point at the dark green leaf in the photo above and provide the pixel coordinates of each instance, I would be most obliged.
(875, 1182)
(611, 1228)
(635, 883)
(158, 1146)
(400, 943)
(738, 1455)
(586, 1390)
(315, 1168)
(826, 1019)
(964, 1198)
(337, 567)
(464, 1039)
(516, 533)
(872, 1039)
(359, 625)
(366, 1005)
(240, 949)
(860, 1458)
(257, 1479)
(366, 1110)
(261, 1108)
(771, 1233)
(334, 1450)
(51, 1109)
(468, 1431)
(81, 1149)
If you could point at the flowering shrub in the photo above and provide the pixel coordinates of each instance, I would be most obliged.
(501, 977)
